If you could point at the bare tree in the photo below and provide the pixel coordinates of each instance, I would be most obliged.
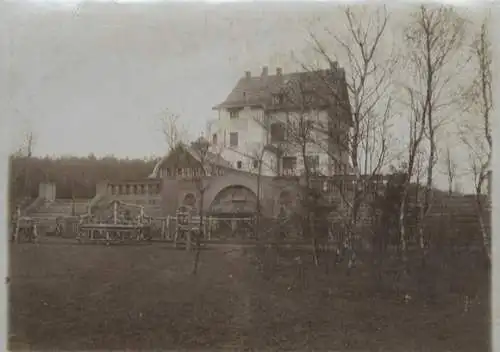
(302, 135)
(172, 129)
(451, 170)
(411, 166)
(366, 101)
(257, 155)
(477, 134)
(27, 146)
(208, 165)
(433, 37)
(24, 151)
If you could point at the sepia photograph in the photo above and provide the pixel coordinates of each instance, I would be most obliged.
(255, 176)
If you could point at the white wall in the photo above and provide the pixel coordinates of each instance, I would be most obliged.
(320, 146)
(252, 136)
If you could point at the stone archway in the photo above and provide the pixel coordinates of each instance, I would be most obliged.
(234, 199)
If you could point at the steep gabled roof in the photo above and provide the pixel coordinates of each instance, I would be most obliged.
(193, 151)
(202, 144)
(328, 87)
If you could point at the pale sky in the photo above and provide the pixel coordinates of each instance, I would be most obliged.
(94, 78)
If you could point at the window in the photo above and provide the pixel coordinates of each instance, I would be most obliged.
(238, 164)
(214, 138)
(233, 139)
(312, 162)
(277, 132)
(277, 99)
(255, 164)
(233, 114)
(179, 172)
(289, 163)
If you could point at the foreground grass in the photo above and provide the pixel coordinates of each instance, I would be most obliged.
(68, 297)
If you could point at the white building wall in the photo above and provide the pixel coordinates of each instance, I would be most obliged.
(319, 147)
(252, 137)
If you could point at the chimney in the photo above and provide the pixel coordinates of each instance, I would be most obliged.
(279, 71)
(334, 65)
(265, 71)
(248, 74)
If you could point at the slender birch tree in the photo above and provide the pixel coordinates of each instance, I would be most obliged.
(208, 163)
(173, 130)
(477, 134)
(451, 170)
(302, 133)
(366, 73)
(434, 39)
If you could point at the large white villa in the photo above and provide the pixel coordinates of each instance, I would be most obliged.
(268, 118)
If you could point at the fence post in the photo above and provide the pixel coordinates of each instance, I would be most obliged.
(209, 230)
(163, 228)
(188, 241)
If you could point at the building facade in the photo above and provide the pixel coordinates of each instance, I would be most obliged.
(218, 188)
(279, 124)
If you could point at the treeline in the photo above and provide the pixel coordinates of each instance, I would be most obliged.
(73, 176)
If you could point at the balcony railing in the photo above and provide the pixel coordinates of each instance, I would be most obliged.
(290, 172)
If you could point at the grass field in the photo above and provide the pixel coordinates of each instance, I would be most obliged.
(65, 296)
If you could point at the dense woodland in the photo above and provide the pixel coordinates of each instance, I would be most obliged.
(74, 176)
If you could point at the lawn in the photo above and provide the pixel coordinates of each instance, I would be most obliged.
(66, 296)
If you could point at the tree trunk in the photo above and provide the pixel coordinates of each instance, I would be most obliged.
(314, 241)
(483, 227)
(199, 234)
(402, 228)
(351, 237)
(257, 205)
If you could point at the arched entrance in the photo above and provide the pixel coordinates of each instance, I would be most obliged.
(234, 199)
(234, 206)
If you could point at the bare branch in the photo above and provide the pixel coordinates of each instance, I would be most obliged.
(433, 37)
(172, 129)
(477, 135)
